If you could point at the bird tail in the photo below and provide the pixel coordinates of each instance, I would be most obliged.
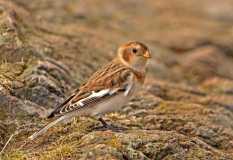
(43, 130)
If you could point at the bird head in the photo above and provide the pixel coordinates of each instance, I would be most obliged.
(135, 55)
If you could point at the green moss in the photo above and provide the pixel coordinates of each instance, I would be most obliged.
(58, 152)
(14, 155)
(114, 142)
(9, 74)
(170, 107)
(198, 153)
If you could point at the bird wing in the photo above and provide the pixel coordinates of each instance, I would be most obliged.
(99, 88)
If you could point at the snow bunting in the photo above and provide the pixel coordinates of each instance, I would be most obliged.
(108, 89)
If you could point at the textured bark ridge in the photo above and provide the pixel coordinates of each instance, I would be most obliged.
(185, 111)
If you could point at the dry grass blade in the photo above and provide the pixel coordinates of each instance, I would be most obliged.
(6, 144)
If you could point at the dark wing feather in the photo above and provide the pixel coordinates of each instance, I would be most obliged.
(60, 107)
(52, 114)
(93, 99)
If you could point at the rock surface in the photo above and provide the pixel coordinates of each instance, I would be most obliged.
(49, 47)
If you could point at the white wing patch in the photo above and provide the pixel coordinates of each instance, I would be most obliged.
(97, 97)
(128, 89)
(94, 95)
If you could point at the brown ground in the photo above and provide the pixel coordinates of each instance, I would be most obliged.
(49, 47)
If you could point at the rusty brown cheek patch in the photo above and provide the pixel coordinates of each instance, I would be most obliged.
(127, 56)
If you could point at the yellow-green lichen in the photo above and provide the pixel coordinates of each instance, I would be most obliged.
(14, 155)
(57, 152)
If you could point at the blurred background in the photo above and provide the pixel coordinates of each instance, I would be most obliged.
(169, 28)
(49, 47)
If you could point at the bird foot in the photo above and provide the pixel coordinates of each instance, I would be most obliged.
(105, 126)
(109, 127)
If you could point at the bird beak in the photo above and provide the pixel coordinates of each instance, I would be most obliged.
(147, 54)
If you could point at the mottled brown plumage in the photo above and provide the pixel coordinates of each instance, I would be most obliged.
(111, 75)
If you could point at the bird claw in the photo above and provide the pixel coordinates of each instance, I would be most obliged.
(105, 126)
(109, 127)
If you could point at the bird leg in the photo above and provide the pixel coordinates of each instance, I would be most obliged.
(106, 126)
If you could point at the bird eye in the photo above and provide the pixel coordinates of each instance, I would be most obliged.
(135, 50)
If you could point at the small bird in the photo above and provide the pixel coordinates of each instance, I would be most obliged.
(108, 89)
